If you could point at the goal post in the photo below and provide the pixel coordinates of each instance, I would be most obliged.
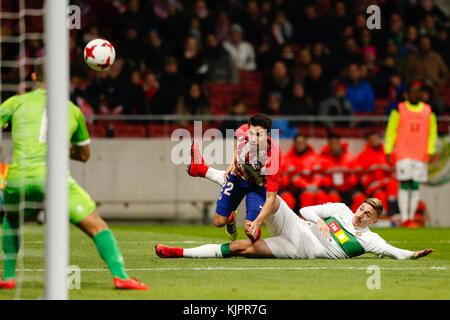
(57, 85)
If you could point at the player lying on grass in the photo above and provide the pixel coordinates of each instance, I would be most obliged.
(331, 231)
(26, 183)
(253, 173)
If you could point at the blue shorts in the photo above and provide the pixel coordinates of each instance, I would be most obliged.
(232, 193)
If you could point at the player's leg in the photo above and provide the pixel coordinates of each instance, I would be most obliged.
(11, 225)
(403, 199)
(254, 202)
(83, 213)
(245, 248)
(230, 196)
(198, 168)
(420, 174)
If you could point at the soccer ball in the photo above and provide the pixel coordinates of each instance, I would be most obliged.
(99, 54)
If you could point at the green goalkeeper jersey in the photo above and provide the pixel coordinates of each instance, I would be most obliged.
(28, 117)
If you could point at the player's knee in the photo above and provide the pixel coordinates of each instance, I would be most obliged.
(240, 246)
(220, 221)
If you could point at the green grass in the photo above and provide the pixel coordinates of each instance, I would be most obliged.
(240, 278)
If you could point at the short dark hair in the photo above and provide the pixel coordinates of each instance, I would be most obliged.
(299, 135)
(262, 120)
(333, 135)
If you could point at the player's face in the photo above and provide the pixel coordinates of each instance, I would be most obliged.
(364, 216)
(257, 137)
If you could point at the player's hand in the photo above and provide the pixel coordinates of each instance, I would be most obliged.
(231, 169)
(422, 253)
(253, 228)
(323, 228)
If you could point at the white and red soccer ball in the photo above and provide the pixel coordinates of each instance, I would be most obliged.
(99, 54)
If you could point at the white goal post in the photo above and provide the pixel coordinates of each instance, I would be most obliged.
(57, 84)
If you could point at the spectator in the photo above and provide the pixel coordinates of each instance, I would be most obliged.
(427, 64)
(321, 54)
(429, 96)
(287, 55)
(171, 88)
(201, 12)
(223, 27)
(336, 105)
(299, 103)
(251, 22)
(171, 24)
(105, 94)
(301, 66)
(317, 84)
(135, 102)
(237, 108)
(273, 105)
(428, 27)
(409, 44)
(281, 28)
(153, 51)
(193, 102)
(442, 45)
(242, 52)
(151, 87)
(301, 176)
(279, 81)
(348, 55)
(359, 93)
(191, 60)
(130, 49)
(220, 68)
(194, 29)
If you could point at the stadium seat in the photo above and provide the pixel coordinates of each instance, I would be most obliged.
(250, 76)
(124, 130)
(313, 132)
(98, 130)
(380, 106)
(348, 132)
(161, 130)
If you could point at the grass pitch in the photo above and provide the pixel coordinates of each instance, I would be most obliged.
(239, 278)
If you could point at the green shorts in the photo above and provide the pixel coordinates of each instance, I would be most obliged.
(31, 195)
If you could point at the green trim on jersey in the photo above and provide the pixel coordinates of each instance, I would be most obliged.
(347, 241)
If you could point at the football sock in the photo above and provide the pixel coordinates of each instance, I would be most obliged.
(403, 201)
(413, 203)
(110, 252)
(205, 251)
(10, 245)
(215, 175)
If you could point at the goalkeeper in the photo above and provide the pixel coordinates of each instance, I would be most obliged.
(25, 182)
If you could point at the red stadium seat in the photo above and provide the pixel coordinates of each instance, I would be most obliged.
(348, 132)
(313, 132)
(124, 130)
(380, 106)
(161, 130)
(98, 130)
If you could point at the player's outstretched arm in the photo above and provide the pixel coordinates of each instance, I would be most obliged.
(421, 253)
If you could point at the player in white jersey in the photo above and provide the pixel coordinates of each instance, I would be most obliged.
(331, 231)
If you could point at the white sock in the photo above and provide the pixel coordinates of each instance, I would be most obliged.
(214, 175)
(205, 251)
(413, 203)
(403, 201)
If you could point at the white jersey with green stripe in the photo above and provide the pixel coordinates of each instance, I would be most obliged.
(370, 241)
(28, 117)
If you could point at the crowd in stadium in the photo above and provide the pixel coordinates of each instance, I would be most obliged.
(289, 57)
